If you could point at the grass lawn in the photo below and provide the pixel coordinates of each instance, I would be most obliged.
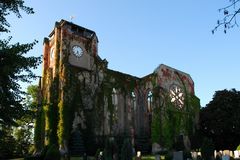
(147, 157)
(80, 158)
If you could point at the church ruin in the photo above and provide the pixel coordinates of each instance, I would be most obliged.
(83, 102)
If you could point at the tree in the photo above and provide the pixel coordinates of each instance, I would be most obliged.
(7, 143)
(31, 99)
(15, 66)
(11, 6)
(230, 13)
(24, 132)
(220, 120)
(20, 138)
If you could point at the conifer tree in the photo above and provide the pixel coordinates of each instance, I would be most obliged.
(15, 65)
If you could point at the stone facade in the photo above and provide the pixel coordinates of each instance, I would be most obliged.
(80, 93)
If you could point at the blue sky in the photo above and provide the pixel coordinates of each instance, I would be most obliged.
(136, 36)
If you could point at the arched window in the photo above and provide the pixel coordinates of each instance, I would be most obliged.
(149, 102)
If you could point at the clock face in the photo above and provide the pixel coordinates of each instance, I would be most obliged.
(177, 96)
(77, 51)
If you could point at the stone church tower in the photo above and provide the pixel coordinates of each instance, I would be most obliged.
(83, 103)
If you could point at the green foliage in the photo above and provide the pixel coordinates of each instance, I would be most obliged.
(12, 64)
(207, 149)
(38, 130)
(11, 6)
(99, 111)
(121, 81)
(31, 99)
(126, 150)
(220, 119)
(53, 153)
(156, 125)
(14, 142)
(22, 136)
(148, 157)
(7, 143)
(238, 148)
(24, 139)
(15, 67)
(175, 121)
(62, 124)
(172, 124)
(111, 109)
(52, 114)
(52, 118)
(193, 110)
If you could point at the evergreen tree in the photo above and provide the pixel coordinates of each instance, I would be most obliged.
(14, 64)
(11, 6)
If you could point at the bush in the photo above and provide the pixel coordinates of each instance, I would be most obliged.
(207, 149)
(53, 153)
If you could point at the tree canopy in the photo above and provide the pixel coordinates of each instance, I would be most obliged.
(15, 65)
(220, 119)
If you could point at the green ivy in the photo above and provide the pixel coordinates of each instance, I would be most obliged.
(38, 130)
(63, 125)
(52, 113)
(156, 125)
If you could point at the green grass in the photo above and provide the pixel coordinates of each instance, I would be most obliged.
(76, 158)
(80, 158)
(148, 157)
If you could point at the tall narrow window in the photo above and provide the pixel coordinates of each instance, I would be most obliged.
(52, 54)
(114, 97)
(149, 101)
(134, 104)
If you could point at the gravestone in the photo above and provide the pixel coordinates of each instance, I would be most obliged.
(77, 147)
(157, 157)
(225, 157)
(194, 155)
(178, 155)
(236, 154)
